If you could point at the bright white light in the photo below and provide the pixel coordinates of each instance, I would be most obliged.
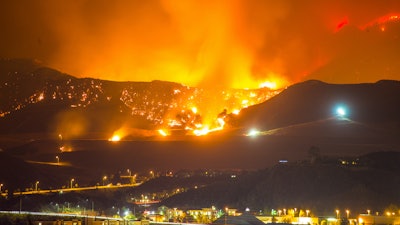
(340, 111)
(268, 84)
(305, 220)
(253, 133)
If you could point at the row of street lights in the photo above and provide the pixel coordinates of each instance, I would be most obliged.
(347, 213)
(37, 185)
(285, 212)
(71, 182)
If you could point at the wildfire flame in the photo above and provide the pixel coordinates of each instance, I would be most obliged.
(115, 138)
(269, 84)
(163, 132)
(118, 135)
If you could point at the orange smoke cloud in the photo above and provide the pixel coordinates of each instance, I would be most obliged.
(231, 43)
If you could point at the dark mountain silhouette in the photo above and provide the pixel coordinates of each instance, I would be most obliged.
(372, 182)
(366, 105)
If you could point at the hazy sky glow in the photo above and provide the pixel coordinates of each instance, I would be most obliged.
(233, 43)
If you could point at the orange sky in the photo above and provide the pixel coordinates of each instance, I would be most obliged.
(230, 43)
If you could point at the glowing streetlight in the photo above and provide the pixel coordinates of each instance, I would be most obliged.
(347, 213)
(337, 213)
(1, 188)
(341, 111)
(36, 185)
(104, 179)
(226, 212)
(369, 212)
(58, 159)
(253, 133)
(129, 172)
(133, 179)
(72, 181)
(307, 212)
(152, 173)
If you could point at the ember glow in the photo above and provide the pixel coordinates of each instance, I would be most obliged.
(118, 135)
(115, 138)
(381, 21)
(163, 132)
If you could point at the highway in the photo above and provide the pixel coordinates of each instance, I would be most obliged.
(47, 191)
(88, 217)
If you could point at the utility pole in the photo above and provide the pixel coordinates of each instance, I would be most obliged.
(20, 203)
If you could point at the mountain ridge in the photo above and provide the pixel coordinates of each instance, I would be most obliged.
(315, 100)
(152, 104)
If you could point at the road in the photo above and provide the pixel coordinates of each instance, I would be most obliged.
(104, 218)
(46, 191)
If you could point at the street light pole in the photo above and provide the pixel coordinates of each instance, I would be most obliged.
(226, 211)
(58, 160)
(36, 185)
(1, 188)
(72, 180)
(104, 178)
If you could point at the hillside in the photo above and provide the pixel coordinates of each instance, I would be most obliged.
(38, 99)
(321, 187)
(315, 101)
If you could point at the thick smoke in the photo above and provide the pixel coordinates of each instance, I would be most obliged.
(233, 43)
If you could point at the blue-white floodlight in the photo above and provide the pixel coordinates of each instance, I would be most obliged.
(341, 111)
